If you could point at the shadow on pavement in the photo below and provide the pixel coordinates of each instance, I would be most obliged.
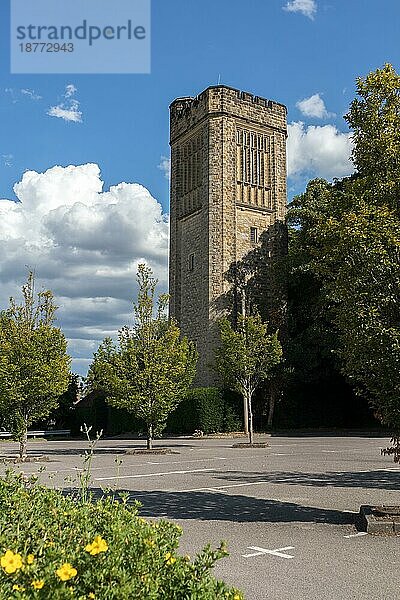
(99, 450)
(212, 506)
(388, 480)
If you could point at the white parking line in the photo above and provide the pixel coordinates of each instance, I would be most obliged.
(277, 552)
(281, 454)
(151, 474)
(353, 535)
(223, 487)
(124, 465)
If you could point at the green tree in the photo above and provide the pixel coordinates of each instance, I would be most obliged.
(349, 234)
(349, 247)
(63, 414)
(316, 386)
(246, 358)
(374, 118)
(150, 369)
(34, 365)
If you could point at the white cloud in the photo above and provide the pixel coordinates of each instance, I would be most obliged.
(70, 90)
(318, 151)
(314, 106)
(26, 93)
(308, 8)
(84, 244)
(68, 114)
(165, 166)
(7, 159)
(31, 94)
(68, 109)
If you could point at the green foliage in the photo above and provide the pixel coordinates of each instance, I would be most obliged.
(150, 370)
(210, 410)
(67, 548)
(63, 415)
(93, 411)
(34, 365)
(346, 240)
(350, 249)
(120, 421)
(375, 120)
(246, 357)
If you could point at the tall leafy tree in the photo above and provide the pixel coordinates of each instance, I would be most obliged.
(34, 364)
(246, 357)
(151, 368)
(374, 118)
(351, 231)
(315, 382)
(351, 254)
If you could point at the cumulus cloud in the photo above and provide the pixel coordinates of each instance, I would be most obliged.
(84, 244)
(68, 109)
(165, 166)
(318, 151)
(308, 8)
(314, 106)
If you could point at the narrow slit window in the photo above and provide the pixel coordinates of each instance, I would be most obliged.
(191, 262)
(253, 235)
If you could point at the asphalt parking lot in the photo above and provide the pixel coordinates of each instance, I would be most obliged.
(287, 511)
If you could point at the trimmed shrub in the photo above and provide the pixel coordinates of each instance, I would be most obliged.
(121, 421)
(210, 410)
(54, 547)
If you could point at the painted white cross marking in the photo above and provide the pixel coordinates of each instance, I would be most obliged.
(276, 552)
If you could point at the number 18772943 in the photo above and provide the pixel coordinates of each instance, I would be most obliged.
(39, 47)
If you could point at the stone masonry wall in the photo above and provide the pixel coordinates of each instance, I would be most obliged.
(218, 232)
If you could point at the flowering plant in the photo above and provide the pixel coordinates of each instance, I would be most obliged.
(54, 546)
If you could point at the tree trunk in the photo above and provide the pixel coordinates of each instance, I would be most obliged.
(271, 408)
(23, 441)
(245, 400)
(150, 438)
(246, 414)
(250, 411)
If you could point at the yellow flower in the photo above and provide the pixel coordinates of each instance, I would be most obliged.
(150, 543)
(237, 597)
(98, 545)
(11, 562)
(66, 571)
(169, 559)
(29, 559)
(37, 584)
(18, 588)
(91, 595)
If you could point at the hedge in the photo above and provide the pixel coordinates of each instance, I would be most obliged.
(210, 410)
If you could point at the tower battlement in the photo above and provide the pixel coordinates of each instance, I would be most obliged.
(222, 99)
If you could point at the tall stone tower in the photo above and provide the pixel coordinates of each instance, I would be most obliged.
(228, 186)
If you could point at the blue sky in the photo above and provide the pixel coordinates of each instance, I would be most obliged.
(314, 52)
